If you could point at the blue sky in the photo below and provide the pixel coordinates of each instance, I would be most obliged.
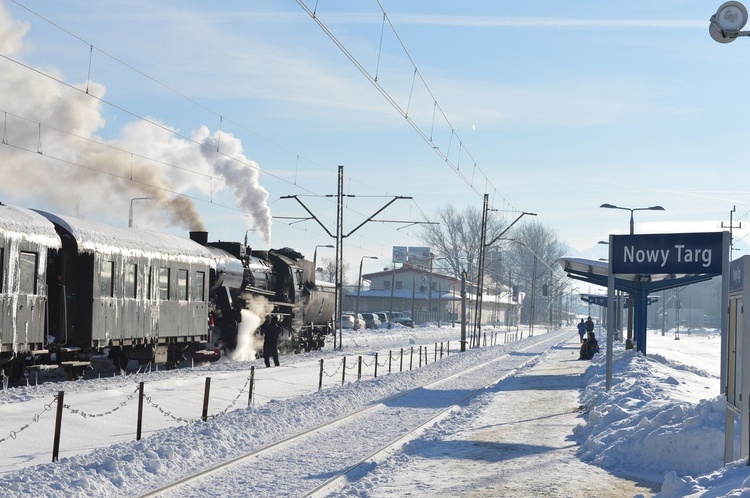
(551, 107)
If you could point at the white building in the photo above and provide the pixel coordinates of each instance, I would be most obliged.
(432, 297)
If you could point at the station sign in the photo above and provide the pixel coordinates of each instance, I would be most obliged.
(670, 253)
(602, 300)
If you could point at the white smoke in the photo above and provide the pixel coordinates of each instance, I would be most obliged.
(247, 346)
(225, 152)
(54, 155)
(248, 342)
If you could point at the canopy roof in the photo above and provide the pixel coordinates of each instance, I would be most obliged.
(596, 272)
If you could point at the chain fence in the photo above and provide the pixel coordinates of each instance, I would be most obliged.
(392, 361)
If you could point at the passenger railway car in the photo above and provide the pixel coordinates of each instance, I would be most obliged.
(26, 238)
(140, 293)
(71, 288)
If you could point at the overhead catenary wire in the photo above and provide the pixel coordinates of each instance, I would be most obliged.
(222, 118)
(404, 111)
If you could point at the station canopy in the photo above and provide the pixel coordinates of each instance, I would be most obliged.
(597, 272)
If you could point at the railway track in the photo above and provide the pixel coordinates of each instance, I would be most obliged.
(326, 456)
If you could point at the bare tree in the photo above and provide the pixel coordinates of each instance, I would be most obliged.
(457, 237)
(329, 270)
(531, 260)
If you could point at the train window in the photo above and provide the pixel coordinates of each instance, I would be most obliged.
(199, 285)
(182, 285)
(106, 282)
(164, 283)
(150, 282)
(131, 280)
(27, 282)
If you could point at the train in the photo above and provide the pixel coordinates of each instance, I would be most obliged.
(71, 289)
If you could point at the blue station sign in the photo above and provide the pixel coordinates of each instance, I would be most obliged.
(602, 300)
(672, 253)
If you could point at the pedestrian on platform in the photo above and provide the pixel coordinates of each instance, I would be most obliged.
(582, 330)
(589, 325)
(589, 347)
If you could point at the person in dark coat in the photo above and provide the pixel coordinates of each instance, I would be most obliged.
(271, 335)
(582, 329)
(589, 325)
(589, 347)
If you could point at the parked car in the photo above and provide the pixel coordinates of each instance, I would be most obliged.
(403, 319)
(372, 321)
(398, 317)
(350, 321)
(382, 315)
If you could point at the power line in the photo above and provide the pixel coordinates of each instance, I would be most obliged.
(91, 47)
(403, 110)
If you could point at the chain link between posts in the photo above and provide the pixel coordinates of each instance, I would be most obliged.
(35, 418)
(102, 414)
(246, 388)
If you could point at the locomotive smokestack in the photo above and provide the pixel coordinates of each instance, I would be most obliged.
(199, 237)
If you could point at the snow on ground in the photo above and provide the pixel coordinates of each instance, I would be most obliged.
(662, 421)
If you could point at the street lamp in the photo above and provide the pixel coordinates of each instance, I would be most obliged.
(629, 341)
(726, 23)
(130, 212)
(359, 285)
(650, 208)
(315, 256)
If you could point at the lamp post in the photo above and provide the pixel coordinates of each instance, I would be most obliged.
(629, 341)
(315, 256)
(359, 285)
(130, 212)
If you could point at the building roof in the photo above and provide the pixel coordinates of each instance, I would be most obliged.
(409, 269)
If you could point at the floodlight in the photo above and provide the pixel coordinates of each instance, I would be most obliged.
(731, 17)
(718, 35)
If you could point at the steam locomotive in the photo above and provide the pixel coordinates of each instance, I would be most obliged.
(71, 288)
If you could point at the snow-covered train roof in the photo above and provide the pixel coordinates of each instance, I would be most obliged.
(17, 223)
(95, 237)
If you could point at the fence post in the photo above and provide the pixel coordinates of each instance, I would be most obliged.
(206, 392)
(252, 385)
(448, 352)
(401, 367)
(320, 376)
(390, 357)
(411, 357)
(58, 425)
(343, 372)
(359, 368)
(420, 357)
(434, 360)
(441, 350)
(376, 365)
(139, 425)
